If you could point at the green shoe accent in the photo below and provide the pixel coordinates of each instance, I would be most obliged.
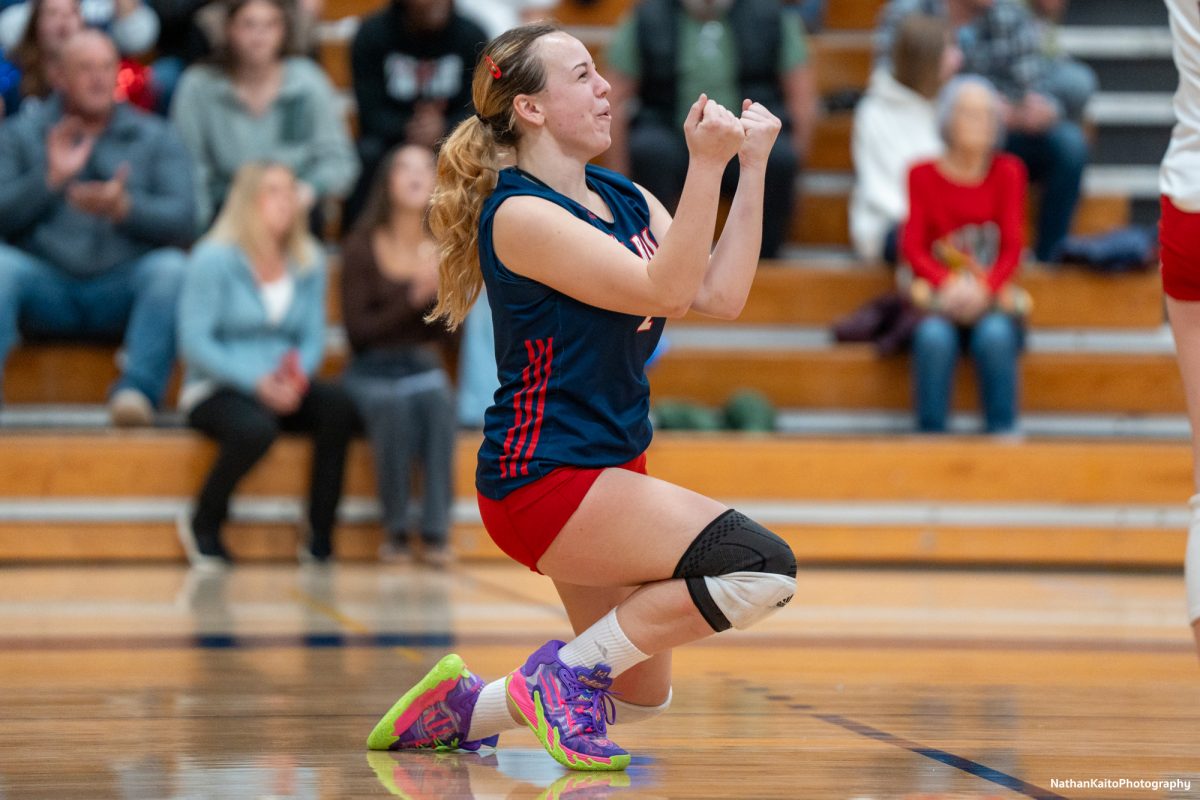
(448, 670)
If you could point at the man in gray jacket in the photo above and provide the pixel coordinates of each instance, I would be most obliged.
(96, 198)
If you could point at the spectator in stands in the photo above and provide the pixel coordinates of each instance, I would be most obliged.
(665, 53)
(397, 379)
(132, 24)
(1000, 41)
(254, 103)
(895, 126)
(963, 239)
(193, 29)
(93, 196)
(51, 24)
(1069, 81)
(252, 334)
(411, 64)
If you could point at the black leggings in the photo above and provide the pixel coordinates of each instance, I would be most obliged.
(244, 430)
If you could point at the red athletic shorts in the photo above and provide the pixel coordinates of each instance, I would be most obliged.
(1179, 246)
(527, 520)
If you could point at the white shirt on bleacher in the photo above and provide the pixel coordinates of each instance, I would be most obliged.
(1179, 178)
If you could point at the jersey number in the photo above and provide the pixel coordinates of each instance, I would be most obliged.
(646, 325)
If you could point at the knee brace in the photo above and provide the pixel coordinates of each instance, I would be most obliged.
(628, 713)
(737, 572)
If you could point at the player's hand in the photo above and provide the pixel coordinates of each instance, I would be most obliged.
(712, 132)
(761, 128)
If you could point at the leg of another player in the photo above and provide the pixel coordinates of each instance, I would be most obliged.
(1185, 324)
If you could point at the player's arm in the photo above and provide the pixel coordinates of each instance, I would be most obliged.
(734, 260)
(539, 240)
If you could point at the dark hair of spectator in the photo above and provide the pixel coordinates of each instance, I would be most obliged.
(917, 53)
(223, 56)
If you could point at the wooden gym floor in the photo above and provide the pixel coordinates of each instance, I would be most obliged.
(153, 682)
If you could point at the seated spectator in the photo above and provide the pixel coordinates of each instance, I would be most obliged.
(1069, 81)
(389, 283)
(252, 335)
(411, 64)
(665, 54)
(51, 24)
(895, 126)
(963, 238)
(1000, 41)
(132, 24)
(193, 29)
(253, 104)
(93, 194)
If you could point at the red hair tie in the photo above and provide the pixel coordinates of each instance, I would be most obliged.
(495, 70)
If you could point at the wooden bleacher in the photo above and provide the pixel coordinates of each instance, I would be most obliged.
(167, 465)
(105, 468)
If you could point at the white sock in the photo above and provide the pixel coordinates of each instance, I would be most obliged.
(491, 712)
(1191, 562)
(628, 713)
(603, 643)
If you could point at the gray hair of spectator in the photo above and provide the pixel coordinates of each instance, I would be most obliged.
(921, 41)
(469, 162)
(239, 222)
(947, 101)
(223, 57)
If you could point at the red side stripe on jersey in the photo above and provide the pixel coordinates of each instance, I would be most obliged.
(507, 456)
(522, 406)
(541, 407)
(527, 415)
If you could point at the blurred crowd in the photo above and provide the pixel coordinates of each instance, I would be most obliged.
(174, 175)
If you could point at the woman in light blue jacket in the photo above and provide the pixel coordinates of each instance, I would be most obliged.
(252, 335)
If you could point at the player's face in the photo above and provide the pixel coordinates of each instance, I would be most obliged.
(575, 98)
(410, 182)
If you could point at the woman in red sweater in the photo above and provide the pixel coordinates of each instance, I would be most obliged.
(964, 238)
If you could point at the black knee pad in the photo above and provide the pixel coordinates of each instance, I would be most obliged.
(735, 544)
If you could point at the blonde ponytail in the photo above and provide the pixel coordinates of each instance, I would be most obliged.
(470, 159)
(466, 175)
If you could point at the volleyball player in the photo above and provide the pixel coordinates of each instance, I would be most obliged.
(582, 268)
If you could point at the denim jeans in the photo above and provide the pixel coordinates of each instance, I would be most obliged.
(1056, 160)
(137, 298)
(994, 343)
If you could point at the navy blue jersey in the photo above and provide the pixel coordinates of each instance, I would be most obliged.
(573, 388)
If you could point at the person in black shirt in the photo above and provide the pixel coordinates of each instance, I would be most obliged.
(411, 64)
